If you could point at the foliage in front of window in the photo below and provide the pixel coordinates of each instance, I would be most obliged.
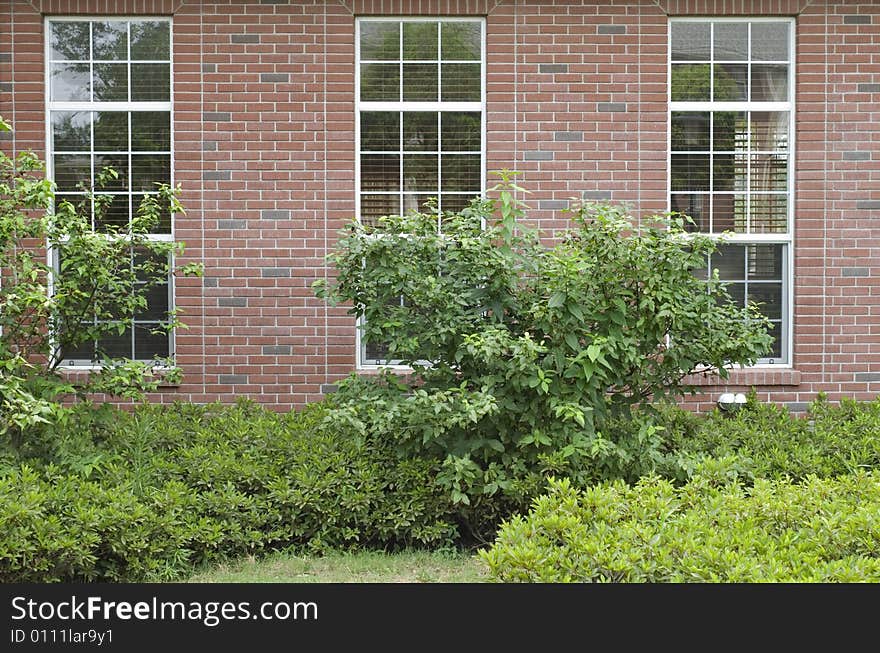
(101, 281)
(708, 531)
(521, 352)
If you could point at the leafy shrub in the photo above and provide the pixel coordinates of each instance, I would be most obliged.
(521, 351)
(148, 494)
(822, 530)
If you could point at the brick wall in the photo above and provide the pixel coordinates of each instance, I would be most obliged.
(576, 100)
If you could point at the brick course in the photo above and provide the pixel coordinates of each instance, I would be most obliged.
(576, 101)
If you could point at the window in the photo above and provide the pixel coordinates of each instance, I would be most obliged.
(420, 108)
(731, 151)
(109, 104)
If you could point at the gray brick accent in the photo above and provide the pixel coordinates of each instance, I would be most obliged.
(6, 87)
(552, 205)
(857, 19)
(233, 302)
(328, 388)
(274, 2)
(217, 175)
(6, 136)
(797, 406)
(855, 155)
(269, 350)
(209, 146)
(210, 282)
(553, 68)
(245, 38)
(231, 224)
(274, 77)
(538, 155)
(274, 272)
(612, 106)
(233, 379)
(868, 205)
(597, 195)
(612, 29)
(209, 68)
(869, 88)
(274, 214)
(217, 116)
(855, 272)
(5, 56)
(867, 376)
(568, 136)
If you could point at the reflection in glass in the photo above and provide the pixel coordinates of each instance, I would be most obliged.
(151, 131)
(689, 172)
(110, 40)
(420, 131)
(150, 82)
(730, 131)
(419, 82)
(460, 41)
(380, 131)
(730, 82)
(690, 41)
(728, 213)
(770, 213)
(420, 172)
(150, 40)
(769, 83)
(461, 173)
(690, 130)
(71, 131)
(380, 172)
(769, 298)
(119, 163)
(111, 131)
(69, 41)
(770, 41)
(71, 170)
(111, 82)
(694, 205)
(731, 42)
(116, 214)
(380, 41)
(420, 41)
(380, 81)
(769, 172)
(149, 170)
(769, 131)
(374, 206)
(765, 262)
(460, 82)
(70, 83)
(729, 260)
(461, 131)
(690, 82)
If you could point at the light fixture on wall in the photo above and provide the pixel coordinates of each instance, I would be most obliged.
(731, 402)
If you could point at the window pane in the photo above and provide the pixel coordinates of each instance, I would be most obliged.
(148, 345)
(770, 41)
(769, 82)
(83, 352)
(765, 262)
(374, 206)
(380, 172)
(116, 214)
(769, 131)
(148, 170)
(72, 170)
(690, 41)
(460, 40)
(769, 172)
(163, 226)
(71, 131)
(737, 292)
(380, 41)
(769, 298)
(420, 172)
(729, 260)
(116, 346)
(420, 82)
(690, 130)
(693, 205)
(150, 82)
(151, 131)
(776, 347)
(69, 41)
(380, 81)
(157, 304)
(726, 168)
(690, 171)
(111, 82)
(111, 131)
(461, 173)
(119, 163)
(455, 202)
(731, 81)
(416, 202)
(150, 40)
(420, 41)
(728, 213)
(420, 131)
(769, 213)
(690, 82)
(461, 132)
(730, 131)
(110, 40)
(461, 82)
(380, 131)
(70, 83)
(731, 42)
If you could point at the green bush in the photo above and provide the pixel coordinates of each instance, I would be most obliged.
(768, 442)
(822, 530)
(151, 493)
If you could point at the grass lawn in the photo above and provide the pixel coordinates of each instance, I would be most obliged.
(362, 567)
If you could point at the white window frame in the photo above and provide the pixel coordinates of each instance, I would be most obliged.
(53, 105)
(786, 239)
(362, 362)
